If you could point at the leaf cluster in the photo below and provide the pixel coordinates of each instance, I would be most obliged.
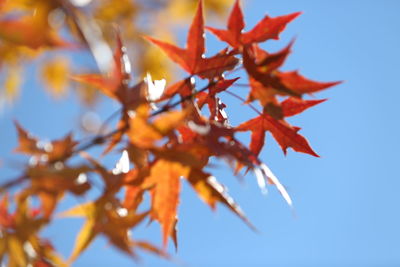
(167, 134)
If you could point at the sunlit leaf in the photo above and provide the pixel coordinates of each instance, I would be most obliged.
(165, 195)
(266, 29)
(285, 134)
(84, 238)
(191, 59)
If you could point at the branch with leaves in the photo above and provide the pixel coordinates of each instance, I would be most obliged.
(165, 137)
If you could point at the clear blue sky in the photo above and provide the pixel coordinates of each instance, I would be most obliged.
(346, 202)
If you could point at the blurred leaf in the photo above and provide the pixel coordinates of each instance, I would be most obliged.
(56, 150)
(84, 210)
(28, 31)
(179, 10)
(165, 195)
(84, 238)
(17, 254)
(88, 95)
(108, 11)
(12, 84)
(55, 76)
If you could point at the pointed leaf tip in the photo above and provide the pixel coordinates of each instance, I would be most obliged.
(293, 106)
(236, 22)
(195, 40)
(268, 28)
(297, 83)
(176, 54)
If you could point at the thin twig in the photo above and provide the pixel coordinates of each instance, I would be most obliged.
(241, 85)
(107, 121)
(13, 182)
(244, 100)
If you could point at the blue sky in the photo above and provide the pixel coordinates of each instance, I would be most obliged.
(346, 202)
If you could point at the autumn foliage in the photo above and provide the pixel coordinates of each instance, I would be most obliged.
(167, 134)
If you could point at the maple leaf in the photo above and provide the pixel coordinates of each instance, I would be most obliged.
(19, 236)
(107, 216)
(165, 195)
(266, 29)
(49, 184)
(266, 82)
(46, 151)
(285, 134)
(104, 216)
(192, 59)
(261, 66)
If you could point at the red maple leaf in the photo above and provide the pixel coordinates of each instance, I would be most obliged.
(192, 59)
(266, 29)
(285, 134)
(266, 81)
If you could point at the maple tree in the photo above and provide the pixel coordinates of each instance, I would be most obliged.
(163, 131)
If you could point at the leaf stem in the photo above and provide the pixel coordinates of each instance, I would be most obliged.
(241, 85)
